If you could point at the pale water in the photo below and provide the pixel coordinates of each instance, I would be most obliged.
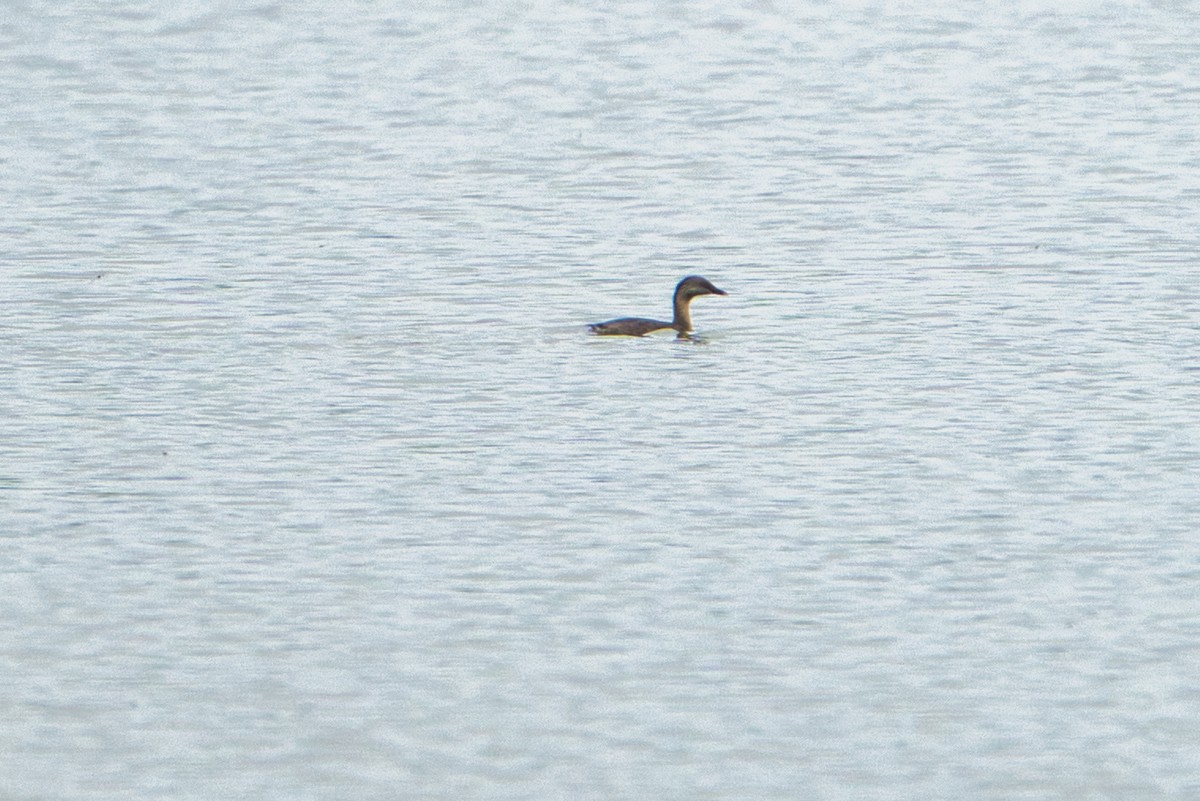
(313, 486)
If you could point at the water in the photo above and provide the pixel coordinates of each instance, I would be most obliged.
(312, 485)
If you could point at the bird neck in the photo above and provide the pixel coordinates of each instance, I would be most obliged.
(683, 314)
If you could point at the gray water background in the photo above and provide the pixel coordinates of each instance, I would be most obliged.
(313, 486)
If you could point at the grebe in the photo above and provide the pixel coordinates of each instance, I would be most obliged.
(691, 287)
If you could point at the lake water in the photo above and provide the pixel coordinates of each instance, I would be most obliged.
(314, 486)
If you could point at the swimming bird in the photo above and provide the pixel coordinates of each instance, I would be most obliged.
(691, 287)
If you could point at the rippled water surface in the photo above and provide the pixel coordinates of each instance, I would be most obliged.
(313, 485)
